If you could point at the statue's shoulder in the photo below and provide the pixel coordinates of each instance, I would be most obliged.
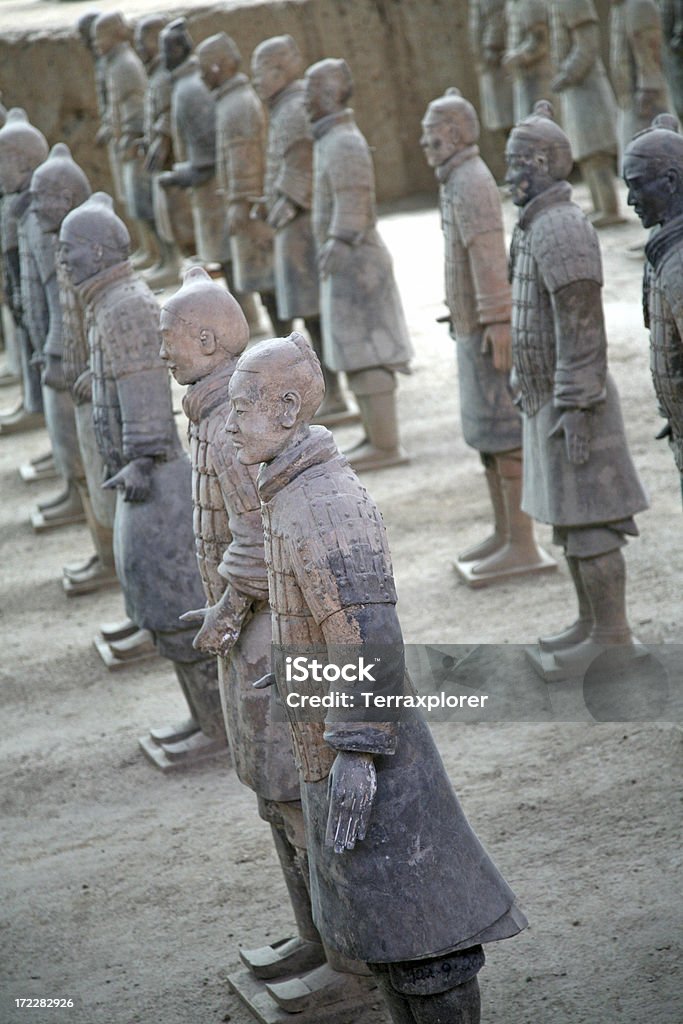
(565, 245)
(576, 12)
(642, 15)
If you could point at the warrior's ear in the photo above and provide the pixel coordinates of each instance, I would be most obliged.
(208, 341)
(541, 160)
(291, 402)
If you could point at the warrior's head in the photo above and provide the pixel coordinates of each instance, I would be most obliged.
(84, 27)
(22, 149)
(538, 155)
(146, 37)
(219, 60)
(58, 186)
(92, 238)
(108, 31)
(449, 125)
(202, 328)
(329, 87)
(275, 64)
(653, 172)
(275, 391)
(176, 44)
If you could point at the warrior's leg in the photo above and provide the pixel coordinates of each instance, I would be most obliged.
(598, 173)
(333, 404)
(281, 328)
(520, 553)
(500, 524)
(166, 272)
(579, 629)
(375, 391)
(199, 683)
(438, 990)
(247, 300)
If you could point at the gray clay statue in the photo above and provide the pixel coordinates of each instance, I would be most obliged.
(636, 66)
(240, 167)
(588, 106)
(10, 373)
(373, 791)
(156, 146)
(578, 473)
(364, 329)
(527, 53)
(672, 52)
(123, 125)
(144, 460)
(478, 298)
(653, 172)
(276, 68)
(58, 186)
(22, 148)
(203, 333)
(487, 34)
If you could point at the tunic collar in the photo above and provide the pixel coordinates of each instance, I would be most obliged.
(553, 196)
(326, 124)
(88, 290)
(316, 449)
(668, 237)
(232, 83)
(205, 395)
(444, 171)
(189, 65)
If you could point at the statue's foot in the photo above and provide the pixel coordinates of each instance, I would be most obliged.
(88, 576)
(317, 989)
(194, 748)
(59, 513)
(56, 499)
(512, 560)
(8, 378)
(19, 420)
(368, 456)
(570, 637)
(111, 631)
(139, 644)
(605, 220)
(575, 661)
(484, 549)
(288, 956)
(41, 468)
(174, 733)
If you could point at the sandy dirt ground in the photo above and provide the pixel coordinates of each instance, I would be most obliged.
(128, 891)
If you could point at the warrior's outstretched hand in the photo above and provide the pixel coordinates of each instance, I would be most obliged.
(134, 480)
(351, 788)
(575, 425)
(221, 623)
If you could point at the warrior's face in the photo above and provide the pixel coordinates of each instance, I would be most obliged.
(105, 38)
(527, 171)
(267, 77)
(210, 70)
(260, 420)
(80, 258)
(50, 204)
(188, 350)
(320, 97)
(649, 192)
(440, 140)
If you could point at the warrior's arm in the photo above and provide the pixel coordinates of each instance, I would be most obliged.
(645, 35)
(295, 177)
(582, 56)
(533, 47)
(580, 346)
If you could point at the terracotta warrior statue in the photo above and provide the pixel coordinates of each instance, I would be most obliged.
(10, 373)
(123, 126)
(373, 790)
(653, 172)
(578, 473)
(144, 460)
(588, 109)
(478, 298)
(22, 148)
(203, 333)
(527, 53)
(487, 32)
(672, 52)
(276, 68)
(58, 185)
(364, 329)
(636, 66)
(155, 144)
(240, 166)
